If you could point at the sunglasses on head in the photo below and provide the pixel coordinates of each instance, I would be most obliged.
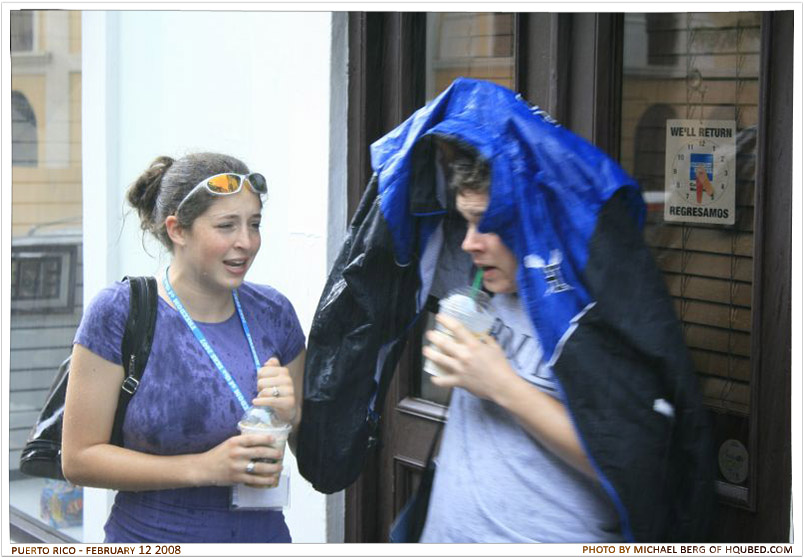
(228, 183)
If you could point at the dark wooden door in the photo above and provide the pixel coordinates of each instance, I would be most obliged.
(580, 67)
(413, 417)
(384, 88)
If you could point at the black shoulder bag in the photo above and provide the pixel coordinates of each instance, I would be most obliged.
(41, 456)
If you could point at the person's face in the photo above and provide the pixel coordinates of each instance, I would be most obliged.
(224, 240)
(487, 249)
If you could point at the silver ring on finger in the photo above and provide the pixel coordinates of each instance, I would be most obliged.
(250, 467)
(275, 391)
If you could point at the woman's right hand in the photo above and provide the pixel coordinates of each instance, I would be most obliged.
(226, 463)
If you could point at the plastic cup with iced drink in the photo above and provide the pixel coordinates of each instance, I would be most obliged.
(469, 306)
(262, 420)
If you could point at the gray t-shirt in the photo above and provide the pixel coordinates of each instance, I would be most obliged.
(494, 482)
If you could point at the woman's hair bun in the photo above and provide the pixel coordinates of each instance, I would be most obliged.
(143, 193)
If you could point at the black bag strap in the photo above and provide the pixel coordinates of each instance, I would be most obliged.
(437, 436)
(136, 345)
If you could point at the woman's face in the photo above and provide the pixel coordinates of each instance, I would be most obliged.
(224, 240)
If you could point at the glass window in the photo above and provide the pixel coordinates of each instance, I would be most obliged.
(22, 31)
(689, 128)
(46, 293)
(24, 145)
(476, 45)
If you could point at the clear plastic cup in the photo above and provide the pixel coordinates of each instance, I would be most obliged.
(262, 420)
(469, 307)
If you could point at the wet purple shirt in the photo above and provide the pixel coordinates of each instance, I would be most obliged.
(183, 405)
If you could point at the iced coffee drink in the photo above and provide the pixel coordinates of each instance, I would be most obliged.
(470, 307)
(262, 420)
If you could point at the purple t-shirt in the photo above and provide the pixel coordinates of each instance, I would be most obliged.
(183, 405)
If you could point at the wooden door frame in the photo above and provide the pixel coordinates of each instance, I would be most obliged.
(385, 85)
(570, 65)
(565, 64)
(767, 515)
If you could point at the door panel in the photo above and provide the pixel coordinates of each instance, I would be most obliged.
(706, 67)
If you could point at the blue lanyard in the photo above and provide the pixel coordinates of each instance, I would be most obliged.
(205, 344)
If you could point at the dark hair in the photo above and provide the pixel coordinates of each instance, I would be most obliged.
(466, 170)
(158, 191)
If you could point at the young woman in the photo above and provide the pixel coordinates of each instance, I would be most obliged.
(183, 452)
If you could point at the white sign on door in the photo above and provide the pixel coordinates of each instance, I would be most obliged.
(700, 171)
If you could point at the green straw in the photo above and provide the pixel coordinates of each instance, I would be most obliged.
(476, 284)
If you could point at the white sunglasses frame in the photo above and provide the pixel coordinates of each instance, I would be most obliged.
(203, 184)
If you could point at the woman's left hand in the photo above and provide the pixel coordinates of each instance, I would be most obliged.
(275, 390)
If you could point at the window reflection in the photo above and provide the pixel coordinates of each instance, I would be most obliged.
(476, 45)
(700, 66)
(24, 144)
(46, 294)
(22, 31)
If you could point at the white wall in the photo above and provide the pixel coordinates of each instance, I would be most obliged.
(255, 85)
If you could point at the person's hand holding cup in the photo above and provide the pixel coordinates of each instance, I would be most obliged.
(262, 420)
(469, 306)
